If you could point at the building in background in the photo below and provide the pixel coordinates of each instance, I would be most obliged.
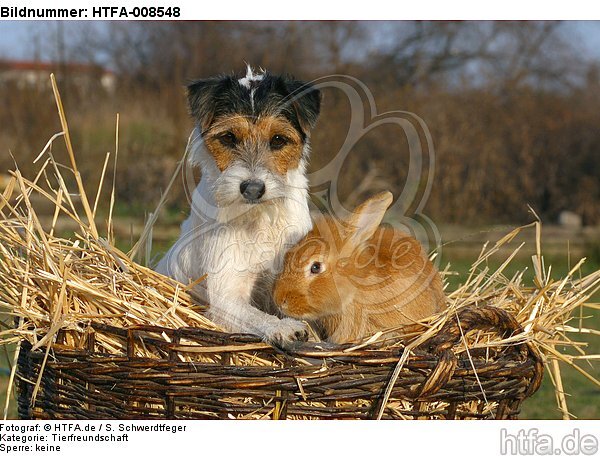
(29, 73)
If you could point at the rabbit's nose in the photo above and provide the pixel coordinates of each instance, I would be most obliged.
(278, 296)
(283, 303)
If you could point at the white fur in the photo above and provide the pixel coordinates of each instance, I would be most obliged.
(250, 77)
(247, 82)
(237, 244)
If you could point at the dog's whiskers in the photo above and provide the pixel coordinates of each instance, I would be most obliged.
(251, 203)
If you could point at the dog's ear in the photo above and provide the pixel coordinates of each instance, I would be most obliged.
(306, 100)
(201, 100)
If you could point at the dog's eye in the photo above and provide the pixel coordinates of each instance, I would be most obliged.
(228, 139)
(278, 141)
(316, 268)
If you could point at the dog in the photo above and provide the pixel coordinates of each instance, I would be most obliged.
(252, 143)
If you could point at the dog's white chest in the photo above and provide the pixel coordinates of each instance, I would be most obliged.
(252, 244)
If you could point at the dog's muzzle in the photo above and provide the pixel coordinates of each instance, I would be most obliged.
(252, 190)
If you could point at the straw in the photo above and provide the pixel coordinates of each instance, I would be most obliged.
(55, 285)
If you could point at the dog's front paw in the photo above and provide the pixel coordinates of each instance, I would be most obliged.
(286, 332)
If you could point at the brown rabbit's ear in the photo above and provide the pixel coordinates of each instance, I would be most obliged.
(367, 217)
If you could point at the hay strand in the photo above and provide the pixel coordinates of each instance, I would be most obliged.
(82, 293)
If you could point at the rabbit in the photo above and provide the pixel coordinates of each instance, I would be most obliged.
(355, 278)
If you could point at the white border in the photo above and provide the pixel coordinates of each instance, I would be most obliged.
(350, 9)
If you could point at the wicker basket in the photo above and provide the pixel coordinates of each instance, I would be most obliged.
(315, 381)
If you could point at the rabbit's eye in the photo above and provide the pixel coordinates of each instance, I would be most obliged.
(315, 268)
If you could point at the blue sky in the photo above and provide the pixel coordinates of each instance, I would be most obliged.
(16, 37)
(13, 35)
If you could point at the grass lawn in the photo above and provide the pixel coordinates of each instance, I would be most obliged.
(583, 397)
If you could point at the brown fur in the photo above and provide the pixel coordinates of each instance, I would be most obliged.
(375, 278)
(253, 137)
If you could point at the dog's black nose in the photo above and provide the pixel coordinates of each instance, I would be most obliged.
(252, 189)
